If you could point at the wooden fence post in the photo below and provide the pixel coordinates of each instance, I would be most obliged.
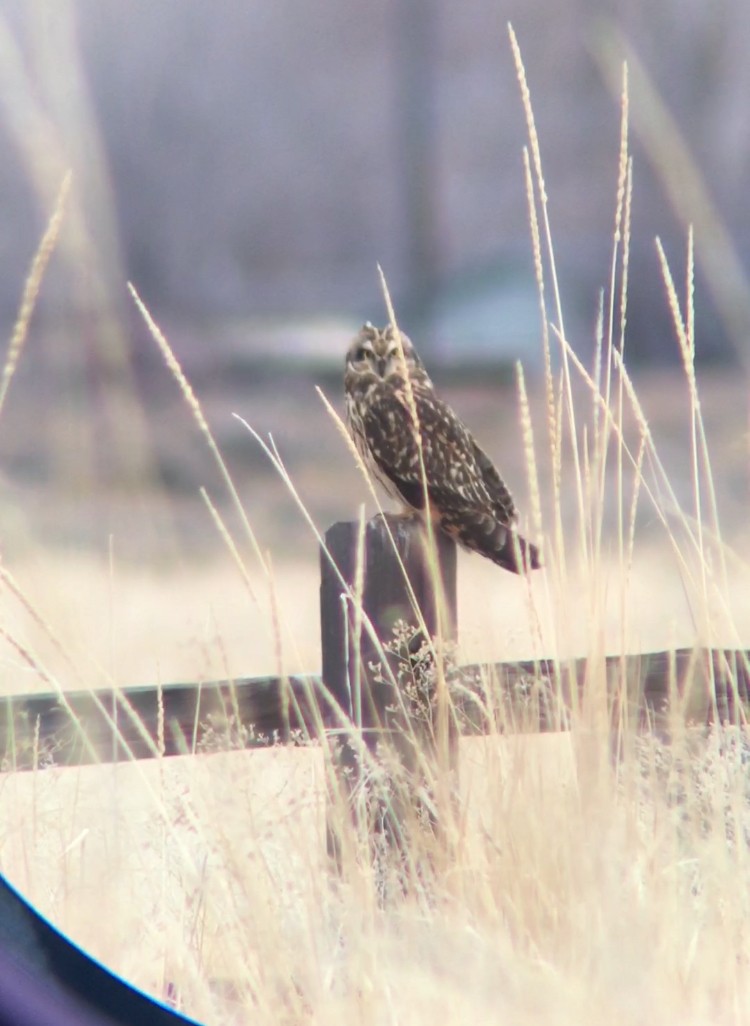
(390, 713)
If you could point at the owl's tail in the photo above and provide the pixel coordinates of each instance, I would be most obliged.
(482, 532)
(515, 554)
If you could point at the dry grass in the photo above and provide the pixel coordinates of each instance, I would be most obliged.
(563, 888)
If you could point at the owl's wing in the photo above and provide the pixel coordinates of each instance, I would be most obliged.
(459, 474)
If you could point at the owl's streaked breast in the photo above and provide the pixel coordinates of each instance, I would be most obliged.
(357, 402)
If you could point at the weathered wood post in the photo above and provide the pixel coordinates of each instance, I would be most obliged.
(389, 682)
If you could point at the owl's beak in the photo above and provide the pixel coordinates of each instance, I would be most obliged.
(382, 365)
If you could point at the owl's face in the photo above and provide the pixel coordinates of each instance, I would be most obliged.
(375, 353)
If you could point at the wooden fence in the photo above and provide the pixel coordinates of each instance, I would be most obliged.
(80, 727)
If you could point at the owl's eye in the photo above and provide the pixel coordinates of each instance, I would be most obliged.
(361, 354)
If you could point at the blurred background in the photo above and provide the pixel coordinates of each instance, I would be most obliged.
(248, 164)
(255, 160)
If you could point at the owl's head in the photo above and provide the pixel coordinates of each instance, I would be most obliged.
(375, 351)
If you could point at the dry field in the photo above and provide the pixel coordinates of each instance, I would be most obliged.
(572, 893)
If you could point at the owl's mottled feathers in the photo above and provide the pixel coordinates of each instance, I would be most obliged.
(466, 496)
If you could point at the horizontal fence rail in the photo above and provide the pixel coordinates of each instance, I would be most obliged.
(84, 727)
(391, 575)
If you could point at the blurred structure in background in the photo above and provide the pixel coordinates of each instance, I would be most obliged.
(256, 160)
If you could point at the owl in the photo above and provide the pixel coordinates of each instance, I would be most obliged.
(466, 497)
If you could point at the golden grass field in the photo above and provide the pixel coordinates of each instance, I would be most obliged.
(572, 896)
(566, 888)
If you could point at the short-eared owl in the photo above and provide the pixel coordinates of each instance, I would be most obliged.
(467, 496)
